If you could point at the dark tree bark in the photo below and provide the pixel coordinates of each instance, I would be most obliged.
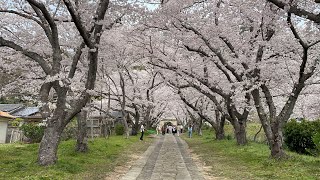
(104, 130)
(297, 10)
(219, 129)
(49, 144)
(240, 133)
(52, 134)
(82, 140)
(123, 105)
(199, 131)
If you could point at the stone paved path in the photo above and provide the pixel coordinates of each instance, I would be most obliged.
(166, 159)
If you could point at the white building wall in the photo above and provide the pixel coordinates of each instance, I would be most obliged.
(3, 131)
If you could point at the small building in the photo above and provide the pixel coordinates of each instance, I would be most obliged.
(27, 114)
(4, 119)
(165, 122)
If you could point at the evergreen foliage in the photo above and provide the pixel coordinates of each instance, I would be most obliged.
(119, 129)
(33, 132)
(300, 136)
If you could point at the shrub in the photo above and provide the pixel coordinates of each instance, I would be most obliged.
(119, 129)
(150, 131)
(316, 140)
(33, 131)
(299, 136)
(229, 137)
(16, 122)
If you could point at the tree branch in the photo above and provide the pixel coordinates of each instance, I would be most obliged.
(214, 50)
(78, 23)
(297, 11)
(32, 55)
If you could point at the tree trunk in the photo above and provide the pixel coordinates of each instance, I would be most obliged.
(220, 135)
(276, 147)
(49, 145)
(104, 128)
(277, 151)
(220, 129)
(199, 128)
(126, 128)
(147, 119)
(271, 126)
(82, 141)
(240, 133)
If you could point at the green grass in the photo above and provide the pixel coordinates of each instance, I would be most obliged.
(251, 161)
(18, 161)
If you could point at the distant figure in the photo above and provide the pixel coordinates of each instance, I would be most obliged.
(158, 129)
(170, 129)
(178, 130)
(174, 130)
(142, 132)
(181, 128)
(163, 130)
(190, 131)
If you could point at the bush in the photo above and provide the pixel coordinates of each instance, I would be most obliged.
(150, 131)
(316, 140)
(33, 131)
(299, 136)
(119, 129)
(16, 122)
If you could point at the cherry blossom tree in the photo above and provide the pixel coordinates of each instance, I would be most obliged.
(186, 47)
(245, 58)
(219, 58)
(300, 73)
(129, 82)
(87, 21)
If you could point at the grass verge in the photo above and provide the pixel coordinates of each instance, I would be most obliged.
(18, 161)
(251, 161)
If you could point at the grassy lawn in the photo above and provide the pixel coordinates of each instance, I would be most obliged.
(18, 161)
(251, 161)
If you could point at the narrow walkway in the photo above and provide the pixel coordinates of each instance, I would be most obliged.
(166, 159)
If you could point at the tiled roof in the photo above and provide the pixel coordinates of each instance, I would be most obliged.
(10, 107)
(27, 111)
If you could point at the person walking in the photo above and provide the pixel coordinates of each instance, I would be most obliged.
(163, 130)
(174, 130)
(170, 129)
(142, 132)
(190, 131)
(158, 129)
